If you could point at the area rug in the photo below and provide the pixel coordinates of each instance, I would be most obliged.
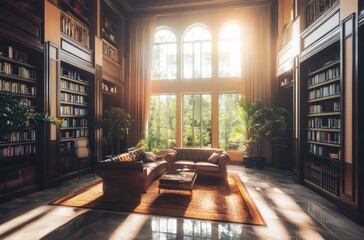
(211, 200)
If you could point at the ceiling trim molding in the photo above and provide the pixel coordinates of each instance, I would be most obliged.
(168, 7)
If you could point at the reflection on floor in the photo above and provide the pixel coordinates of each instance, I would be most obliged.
(290, 210)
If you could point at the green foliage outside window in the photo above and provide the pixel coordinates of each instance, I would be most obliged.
(228, 118)
(197, 120)
(162, 123)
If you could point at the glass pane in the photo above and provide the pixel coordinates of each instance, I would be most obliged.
(197, 45)
(228, 118)
(229, 51)
(197, 120)
(164, 54)
(162, 122)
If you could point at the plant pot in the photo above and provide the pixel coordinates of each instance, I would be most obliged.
(249, 162)
(259, 162)
(254, 162)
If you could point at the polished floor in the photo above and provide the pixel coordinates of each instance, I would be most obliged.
(291, 211)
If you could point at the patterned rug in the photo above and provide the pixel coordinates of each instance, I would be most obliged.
(210, 200)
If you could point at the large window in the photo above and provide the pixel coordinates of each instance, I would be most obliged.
(164, 55)
(229, 51)
(228, 118)
(197, 120)
(162, 122)
(197, 53)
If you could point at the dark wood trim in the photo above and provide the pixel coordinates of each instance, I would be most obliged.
(344, 36)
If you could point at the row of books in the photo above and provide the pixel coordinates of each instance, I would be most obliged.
(322, 151)
(73, 87)
(17, 71)
(75, 29)
(315, 8)
(107, 88)
(321, 122)
(17, 87)
(74, 122)
(19, 150)
(66, 146)
(19, 136)
(323, 176)
(324, 91)
(110, 51)
(72, 74)
(326, 107)
(323, 136)
(74, 133)
(13, 53)
(73, 98)
(71, 110)
(324, 76)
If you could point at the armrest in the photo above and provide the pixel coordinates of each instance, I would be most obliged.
(170, 158)
(224, 159)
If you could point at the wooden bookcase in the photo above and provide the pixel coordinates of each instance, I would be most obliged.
(111, 28)
(76, 108)
(21, 67)
(321, 120)
(75, 20)
(317, 8)
(19, 76)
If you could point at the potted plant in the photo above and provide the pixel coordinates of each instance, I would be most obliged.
(260, 124)
(115, 123)
(15, 115)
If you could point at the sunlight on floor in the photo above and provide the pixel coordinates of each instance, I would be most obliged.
(43, 219)
(293, 213)
(130, 227)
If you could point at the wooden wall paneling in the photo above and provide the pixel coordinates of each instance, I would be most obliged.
(349, 187)
(51, 151)
(20, 25)
(98, 112)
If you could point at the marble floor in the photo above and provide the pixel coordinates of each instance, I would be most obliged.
(291, 211)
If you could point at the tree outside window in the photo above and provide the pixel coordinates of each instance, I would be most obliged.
(228, 118)
(162, 122)
(164, 55)
(197, 120)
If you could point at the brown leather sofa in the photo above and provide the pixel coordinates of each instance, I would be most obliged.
(126, 176)
(201, 159)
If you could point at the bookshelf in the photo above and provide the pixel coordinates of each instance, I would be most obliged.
(74, 91)
(75, 21)
(316, 8)
(111, 23)
(322, 120)
(19, 157)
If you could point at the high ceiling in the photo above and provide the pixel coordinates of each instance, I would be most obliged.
(137, 7)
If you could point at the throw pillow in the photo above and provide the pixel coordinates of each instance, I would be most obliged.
(149, 157)
(214, 158)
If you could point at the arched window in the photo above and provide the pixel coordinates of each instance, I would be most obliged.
(164, 55)
(197, 53)
(229, 51)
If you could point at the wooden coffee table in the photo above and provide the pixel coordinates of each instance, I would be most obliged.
(178, 179)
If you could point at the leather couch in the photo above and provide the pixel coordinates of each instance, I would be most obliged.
(209, 162)
(126, 176)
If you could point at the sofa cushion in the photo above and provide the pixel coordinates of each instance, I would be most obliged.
(149, 157)
(184, 164)
(214, 158)
(207, 167)
(195, 154)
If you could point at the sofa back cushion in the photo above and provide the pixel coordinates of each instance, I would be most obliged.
(196, 154)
